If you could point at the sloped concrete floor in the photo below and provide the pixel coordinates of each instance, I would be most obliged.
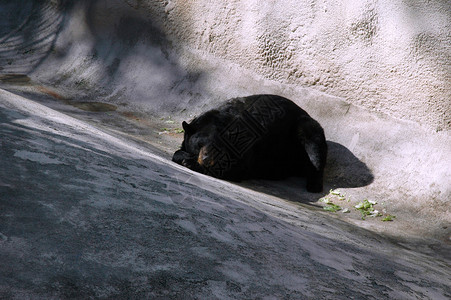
(89, 214)
(91, 205)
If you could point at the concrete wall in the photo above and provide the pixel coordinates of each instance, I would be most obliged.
(388, 56)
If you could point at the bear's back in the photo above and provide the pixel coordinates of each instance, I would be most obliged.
(260, 132)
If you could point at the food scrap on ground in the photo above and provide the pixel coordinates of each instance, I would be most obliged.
(365, 207)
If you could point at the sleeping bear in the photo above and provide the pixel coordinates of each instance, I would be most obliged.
(260, 136)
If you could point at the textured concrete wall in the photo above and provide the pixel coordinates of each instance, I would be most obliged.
(389, 56)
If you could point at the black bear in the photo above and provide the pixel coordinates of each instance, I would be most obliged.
(260, 136)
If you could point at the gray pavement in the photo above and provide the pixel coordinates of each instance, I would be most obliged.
(85, 214)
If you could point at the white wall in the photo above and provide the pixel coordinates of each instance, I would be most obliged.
(388, 56)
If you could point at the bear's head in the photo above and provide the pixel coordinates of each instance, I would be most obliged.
(199, 133)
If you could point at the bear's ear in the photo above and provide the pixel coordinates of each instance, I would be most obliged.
(188, 128)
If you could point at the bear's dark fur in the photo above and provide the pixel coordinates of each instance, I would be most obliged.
(260, 136)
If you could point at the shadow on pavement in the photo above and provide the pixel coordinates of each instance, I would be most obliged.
(343, 170)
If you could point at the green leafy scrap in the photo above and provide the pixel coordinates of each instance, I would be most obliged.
(330, 206)
(335, 192)
(388, 218)
(366, 209)
(341, 196)
(172, 130)
(325, 200)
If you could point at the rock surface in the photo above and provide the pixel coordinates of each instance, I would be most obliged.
(85, 214)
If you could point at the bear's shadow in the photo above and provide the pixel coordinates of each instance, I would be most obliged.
(343, 170)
